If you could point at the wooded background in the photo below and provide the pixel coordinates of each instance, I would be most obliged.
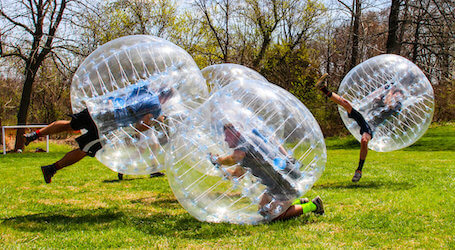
(290, 42)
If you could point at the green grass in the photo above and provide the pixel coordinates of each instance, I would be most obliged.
(406, 199)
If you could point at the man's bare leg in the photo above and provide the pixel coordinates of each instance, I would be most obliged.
(366, 137)
(342, 102)
(321, 85)
(354, 114)
(291, 212)
(69, 159)
(314, 206)
(53, 128)
(363, 155)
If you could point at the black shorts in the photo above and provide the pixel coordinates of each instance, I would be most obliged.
(88, 142)
(364, 126)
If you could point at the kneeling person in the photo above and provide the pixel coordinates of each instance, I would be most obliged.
(279, 192)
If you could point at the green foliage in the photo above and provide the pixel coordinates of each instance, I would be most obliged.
(51, 96)
(114, 19)
(444, 100)
(405, 199)
(50, 100)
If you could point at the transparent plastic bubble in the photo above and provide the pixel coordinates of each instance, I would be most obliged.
(128, 85)
(395, 98)
(220, 75)
(284, 154)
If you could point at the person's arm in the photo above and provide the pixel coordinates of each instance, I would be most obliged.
(230, 160)
(147, 121)
(236, 156)
(388, 99)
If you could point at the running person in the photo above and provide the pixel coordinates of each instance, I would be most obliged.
(89, 142)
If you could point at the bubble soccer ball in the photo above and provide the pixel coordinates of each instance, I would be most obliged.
(395, 98)
(119, 84)
(220, 75)
(284, 154)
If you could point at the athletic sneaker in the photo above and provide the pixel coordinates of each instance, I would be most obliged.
(321, 83)
(157, 174)
(30, 137)
(357, 176)
(120, 176)
(319, 206)
(300, 201)
(48, 172)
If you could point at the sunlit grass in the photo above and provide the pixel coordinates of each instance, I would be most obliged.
(405, 199)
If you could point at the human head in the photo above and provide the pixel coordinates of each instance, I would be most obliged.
(164, 94)
(231, 135)
(396, 92)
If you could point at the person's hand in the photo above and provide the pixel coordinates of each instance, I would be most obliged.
(291, 159)
(213, 159)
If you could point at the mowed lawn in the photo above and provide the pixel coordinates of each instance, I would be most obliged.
(406, 199)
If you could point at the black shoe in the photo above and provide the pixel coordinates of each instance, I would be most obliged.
(48, 172)
(319, 206)
(304, 200)
(30, 137)
(120, 176)
(157, 174)
(357, 176)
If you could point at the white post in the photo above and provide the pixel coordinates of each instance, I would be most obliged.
(23, 126)
(47, 143)
(3, 139)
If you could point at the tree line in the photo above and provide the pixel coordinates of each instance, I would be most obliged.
(290, 42)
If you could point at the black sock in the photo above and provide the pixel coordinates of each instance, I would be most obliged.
(361, 162)
(327, 92)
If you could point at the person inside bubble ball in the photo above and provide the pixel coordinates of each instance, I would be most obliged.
(387, 103)
(365, 129)
(279, 191)
(89, 142)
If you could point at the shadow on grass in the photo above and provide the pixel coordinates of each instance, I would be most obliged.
(132, 179)
(186, 226)
(342, 143)
(432, 144)
(157, 202)
(162, 224)
(63, 220)
(117, 180)
(366, 185)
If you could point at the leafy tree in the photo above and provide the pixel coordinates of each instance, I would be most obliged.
(108, 20)
(29, 33)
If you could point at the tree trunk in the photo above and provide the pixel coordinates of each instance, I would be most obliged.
(393, 45)
(265, 44)
(30, 73)
(355, 35)
(415, 47)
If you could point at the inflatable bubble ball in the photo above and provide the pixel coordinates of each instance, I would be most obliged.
(270, 147)
(395, 98)
(136, 88)
(219, 75)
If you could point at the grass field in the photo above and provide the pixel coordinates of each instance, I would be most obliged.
(406, 199)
